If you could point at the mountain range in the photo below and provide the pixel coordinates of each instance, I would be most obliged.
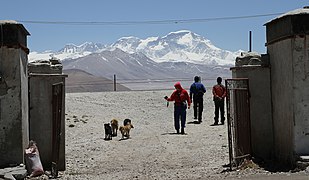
(181, 54)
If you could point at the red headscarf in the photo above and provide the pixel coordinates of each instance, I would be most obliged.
(177, 85)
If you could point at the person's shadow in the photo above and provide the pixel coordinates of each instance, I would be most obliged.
(194, 122)
(124, 139)
(174, 133)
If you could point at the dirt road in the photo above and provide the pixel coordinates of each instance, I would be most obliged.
(154, 151)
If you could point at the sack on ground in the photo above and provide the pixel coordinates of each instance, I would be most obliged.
(33, 162)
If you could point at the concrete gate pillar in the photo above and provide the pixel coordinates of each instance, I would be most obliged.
(13, 93)
(47, 111)
(288, 49)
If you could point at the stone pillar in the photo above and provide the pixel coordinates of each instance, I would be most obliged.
(44, 75)
(256, 68)
(14, 133)
(288, 47)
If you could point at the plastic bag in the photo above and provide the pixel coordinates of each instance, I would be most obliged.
(33, 162)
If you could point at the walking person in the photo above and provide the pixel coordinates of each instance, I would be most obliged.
(219, 93)
(197, 90)
(182, 102)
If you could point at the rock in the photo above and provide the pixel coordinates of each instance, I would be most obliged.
(9, 176)
(13, 173)
(307, 170)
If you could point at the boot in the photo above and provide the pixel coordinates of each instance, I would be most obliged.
(182, 131)
(222, 120)
(177, 131)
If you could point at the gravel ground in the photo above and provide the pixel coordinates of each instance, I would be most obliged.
(153, 151)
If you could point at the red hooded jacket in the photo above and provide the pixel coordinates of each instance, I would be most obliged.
(180, 95)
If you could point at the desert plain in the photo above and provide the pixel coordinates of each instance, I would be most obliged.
(154, 150)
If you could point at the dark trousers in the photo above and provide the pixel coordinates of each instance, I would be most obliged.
(198, 108)
(219, 106)
(180, 113)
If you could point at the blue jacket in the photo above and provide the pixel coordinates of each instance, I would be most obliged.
(197, 88)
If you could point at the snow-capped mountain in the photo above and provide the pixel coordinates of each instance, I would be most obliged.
(137, 66)
(69, 51)
(180, 46)
(177, 55)
(125, 65)
(85, 47)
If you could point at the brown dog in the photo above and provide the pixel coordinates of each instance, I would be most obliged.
(114, 124)
(125, 130)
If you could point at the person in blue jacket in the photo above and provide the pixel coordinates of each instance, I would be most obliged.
(197, 90)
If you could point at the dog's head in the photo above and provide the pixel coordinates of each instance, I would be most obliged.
(114, 121)
(126, 121)
(106, 125)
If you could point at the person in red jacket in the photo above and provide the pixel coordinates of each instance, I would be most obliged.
(182, 101)
(219, 93)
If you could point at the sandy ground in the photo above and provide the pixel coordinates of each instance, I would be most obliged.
(154, 151)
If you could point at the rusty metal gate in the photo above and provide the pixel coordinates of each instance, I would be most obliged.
(57, 92)
(238, 118)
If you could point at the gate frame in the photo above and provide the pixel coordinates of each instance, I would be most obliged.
(57, 93)
(233, 132)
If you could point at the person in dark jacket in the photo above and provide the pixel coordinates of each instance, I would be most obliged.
(182, 102)
(219, 93)
(197, 90)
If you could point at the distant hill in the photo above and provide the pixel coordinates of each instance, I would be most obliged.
(137, 66)
(81, 81)
(178, 55)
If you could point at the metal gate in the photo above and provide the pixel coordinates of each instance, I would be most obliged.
(238, 118)
(57, 90)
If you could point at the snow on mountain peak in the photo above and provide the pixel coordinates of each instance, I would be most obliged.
(179, 46)
(85, 47)
(189, 38)
(178, 33)
(127, 44)
(144, 43)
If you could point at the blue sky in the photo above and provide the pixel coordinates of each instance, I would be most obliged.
(230, 35)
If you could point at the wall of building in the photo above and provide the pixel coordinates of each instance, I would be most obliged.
(41, 118)
(13, 106)
(300, 54)
(260, 108)
(24, 97)
(281, 62)
(42, 76)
